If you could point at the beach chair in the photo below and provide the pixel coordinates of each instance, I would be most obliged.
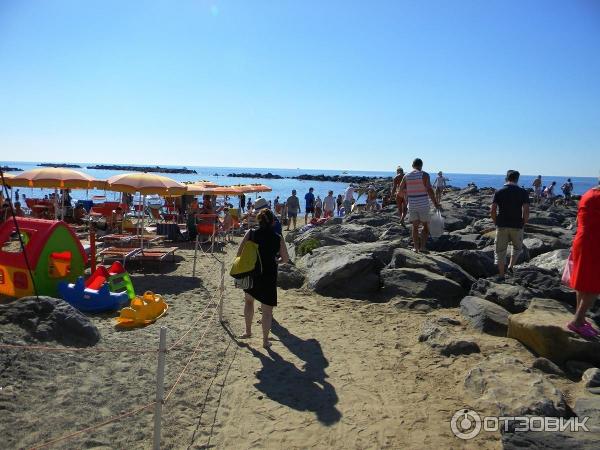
(118, 254)
(206, 228)
(157, 255)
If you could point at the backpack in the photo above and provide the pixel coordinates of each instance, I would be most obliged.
(247, 265)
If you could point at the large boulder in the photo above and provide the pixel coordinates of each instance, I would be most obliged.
(478, 264)
(348, 271)
(421, 283)
(536, 246)
(542, 283)
(507, 387)
(550, 440)
(484, 315)
(289, 277)
(448, 242)
(513, 298)
(50, 319)
(542, 328)
(403, 257)
(554, 260)
(517, 290)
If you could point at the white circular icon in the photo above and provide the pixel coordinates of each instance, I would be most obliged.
(465, 424)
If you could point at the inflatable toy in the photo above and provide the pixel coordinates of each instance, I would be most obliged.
(52, 250)
(105, 290)
(143, 310)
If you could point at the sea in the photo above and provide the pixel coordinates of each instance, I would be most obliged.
(282, 188)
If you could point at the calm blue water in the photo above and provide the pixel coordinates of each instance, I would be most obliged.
(283, 188)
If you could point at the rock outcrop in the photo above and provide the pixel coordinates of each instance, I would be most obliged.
(542, 328)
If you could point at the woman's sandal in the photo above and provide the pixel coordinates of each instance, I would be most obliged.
(581, 330)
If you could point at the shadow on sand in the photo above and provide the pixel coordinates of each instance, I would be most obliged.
(303, 389)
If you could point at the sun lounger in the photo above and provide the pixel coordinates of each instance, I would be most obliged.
(157, 254)
(118, 253)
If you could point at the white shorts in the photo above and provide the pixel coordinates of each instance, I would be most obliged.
(419, 214)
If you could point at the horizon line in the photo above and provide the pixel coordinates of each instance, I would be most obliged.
(277, 168)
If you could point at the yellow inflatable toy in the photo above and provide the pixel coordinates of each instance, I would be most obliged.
(143, 310)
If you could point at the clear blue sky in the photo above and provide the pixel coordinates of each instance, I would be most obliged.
(475, 86)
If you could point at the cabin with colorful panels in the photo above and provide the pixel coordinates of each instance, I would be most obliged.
(53, 251)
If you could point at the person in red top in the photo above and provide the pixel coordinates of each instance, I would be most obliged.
(585, 254)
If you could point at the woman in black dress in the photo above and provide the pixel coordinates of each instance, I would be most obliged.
(272, 250)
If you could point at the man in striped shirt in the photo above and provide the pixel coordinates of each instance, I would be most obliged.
(416, 185)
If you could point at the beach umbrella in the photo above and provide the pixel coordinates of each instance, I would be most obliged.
(213, 190)
(7, 176)
(57, 178)
(250, 188)
(201, 183)
(145, 183)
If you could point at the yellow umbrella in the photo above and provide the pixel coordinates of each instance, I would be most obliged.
(58, 178)
(214, 190)
(7, 176)
(248, 188)
(145, 184)
(201, 183)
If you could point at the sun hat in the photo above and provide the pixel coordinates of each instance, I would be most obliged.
(260, 204)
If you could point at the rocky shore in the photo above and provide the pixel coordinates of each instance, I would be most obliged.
(55, 165)
(10, 169)
(367, 257)
(350, 179)
(156, 169)
(268, 176)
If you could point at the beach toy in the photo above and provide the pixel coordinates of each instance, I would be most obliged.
(105, 290)
(91, 300)
(54, 254)
(143, 310)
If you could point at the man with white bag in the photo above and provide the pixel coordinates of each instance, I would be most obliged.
(418, 190)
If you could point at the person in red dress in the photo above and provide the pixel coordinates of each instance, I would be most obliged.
(585, 255)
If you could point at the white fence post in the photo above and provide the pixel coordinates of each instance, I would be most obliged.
(160, 386)
(222, 293)
(195, 253)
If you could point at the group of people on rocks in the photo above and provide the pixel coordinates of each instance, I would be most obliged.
(414, 194)
(315, 206)
(510, 213)
(546, 193)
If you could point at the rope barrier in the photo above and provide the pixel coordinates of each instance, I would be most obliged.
(72, 349)
(176, 344)
(189, 361)
(138, 409)
(93, 427)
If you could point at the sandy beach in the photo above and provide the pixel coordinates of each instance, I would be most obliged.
(341, 374)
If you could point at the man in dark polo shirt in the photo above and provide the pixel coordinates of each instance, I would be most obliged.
(510, 212)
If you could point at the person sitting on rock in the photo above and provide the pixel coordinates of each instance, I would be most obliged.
(585, 263)
(510, 212)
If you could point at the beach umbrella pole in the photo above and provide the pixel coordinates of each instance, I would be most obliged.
(160, 387)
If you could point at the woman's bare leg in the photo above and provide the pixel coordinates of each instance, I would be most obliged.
(248, 314)
(267, 317)
(585, 302)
